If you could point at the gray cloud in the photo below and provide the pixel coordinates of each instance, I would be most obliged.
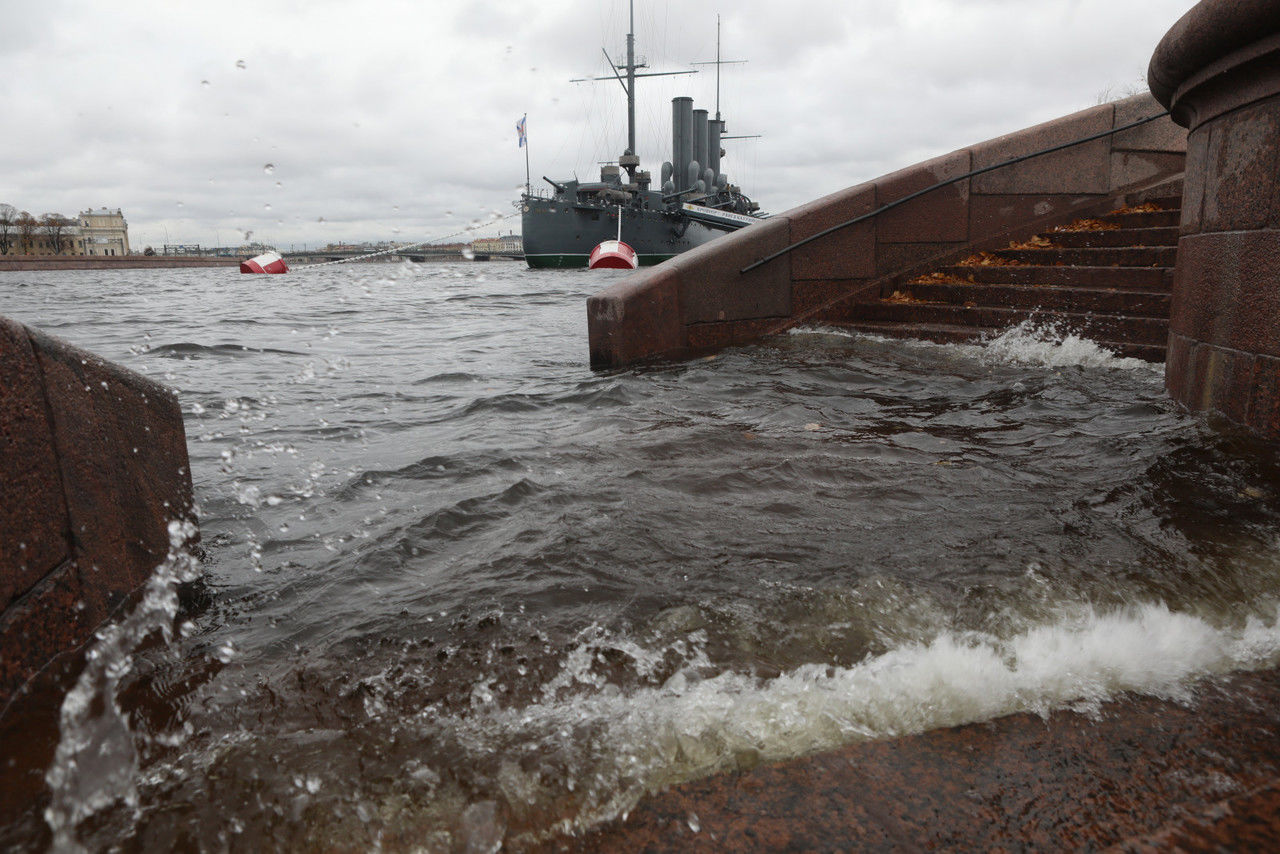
(395, 120)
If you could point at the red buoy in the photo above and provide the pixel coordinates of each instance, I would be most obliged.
(612, 255)
(267, 262)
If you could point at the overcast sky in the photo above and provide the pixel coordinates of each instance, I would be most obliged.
(315, 122)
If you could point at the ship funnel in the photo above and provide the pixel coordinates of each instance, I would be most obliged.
(715, 127)
(681, 140)
(700, 137)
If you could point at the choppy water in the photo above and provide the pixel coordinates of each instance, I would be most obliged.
(465, 591)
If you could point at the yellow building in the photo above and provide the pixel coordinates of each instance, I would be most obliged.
(507, 244)
(102, 232)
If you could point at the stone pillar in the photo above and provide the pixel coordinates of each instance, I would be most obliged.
(1218, 71)
(93, 467)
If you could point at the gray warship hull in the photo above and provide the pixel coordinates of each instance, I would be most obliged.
(692, 203)
(559, 234)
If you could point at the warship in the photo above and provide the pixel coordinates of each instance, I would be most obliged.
(692, 203)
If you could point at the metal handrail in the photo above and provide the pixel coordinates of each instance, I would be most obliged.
(941, 184)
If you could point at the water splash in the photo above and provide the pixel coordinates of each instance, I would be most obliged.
(619, 744)
(1028, 343)
(96, 761)
(1052, 346)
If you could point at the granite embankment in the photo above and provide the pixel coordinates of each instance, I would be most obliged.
(93, 469)
(960, 203)
(123, 262)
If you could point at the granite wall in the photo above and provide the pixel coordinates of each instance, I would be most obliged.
(1218, 70)
(700, 300)
(93, 466)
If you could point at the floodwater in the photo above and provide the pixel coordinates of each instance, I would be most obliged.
(462, 592)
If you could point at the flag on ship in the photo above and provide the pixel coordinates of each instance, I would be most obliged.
(520, 131)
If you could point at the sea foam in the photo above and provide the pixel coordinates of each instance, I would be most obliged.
(620, 744)
(1031, 343)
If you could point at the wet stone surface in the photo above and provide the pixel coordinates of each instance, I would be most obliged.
(1139, 773)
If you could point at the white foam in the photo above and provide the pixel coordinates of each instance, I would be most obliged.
(622, 744)
(1047, 345)
(1028, 343)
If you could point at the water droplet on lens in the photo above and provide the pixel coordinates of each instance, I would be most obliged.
(468, 253)
(240, 63)
(269, 168)
(694, 824)
(267, 206)
(179, 204)
(204, 82)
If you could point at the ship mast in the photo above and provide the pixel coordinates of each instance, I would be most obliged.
(717, 63)
(628, 83)
(631, 80)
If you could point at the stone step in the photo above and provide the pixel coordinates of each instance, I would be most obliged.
(939, 333)
(946, 333)
(1116, 237)
(1168, 203)
(1145, 219)
(1048, 297)
(1133, 256)
(1111, 285)
(1098, 327)
(1127, 278)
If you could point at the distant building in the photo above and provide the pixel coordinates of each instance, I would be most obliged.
(100, 232)
(507, 244)
(103, 232)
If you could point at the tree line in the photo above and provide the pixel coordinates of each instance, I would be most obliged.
(19, 231)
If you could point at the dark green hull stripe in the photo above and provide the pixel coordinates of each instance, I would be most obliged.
(570, 261)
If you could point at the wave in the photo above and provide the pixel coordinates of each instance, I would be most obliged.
(1048, 345)
(692, 726)
(190, 350)
(1028, 343)
(450, 377)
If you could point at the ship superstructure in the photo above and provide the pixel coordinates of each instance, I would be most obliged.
(693, 201)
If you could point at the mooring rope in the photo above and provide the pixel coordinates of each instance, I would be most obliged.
(401, 248)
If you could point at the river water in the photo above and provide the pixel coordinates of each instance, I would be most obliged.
(462, 591)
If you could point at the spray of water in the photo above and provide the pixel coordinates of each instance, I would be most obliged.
(96, 761)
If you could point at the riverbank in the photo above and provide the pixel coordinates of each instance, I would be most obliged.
(20, 263)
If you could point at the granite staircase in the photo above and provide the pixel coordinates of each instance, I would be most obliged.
(1107, 278)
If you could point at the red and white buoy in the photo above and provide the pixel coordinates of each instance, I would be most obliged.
(613, 254)
(267, 262)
